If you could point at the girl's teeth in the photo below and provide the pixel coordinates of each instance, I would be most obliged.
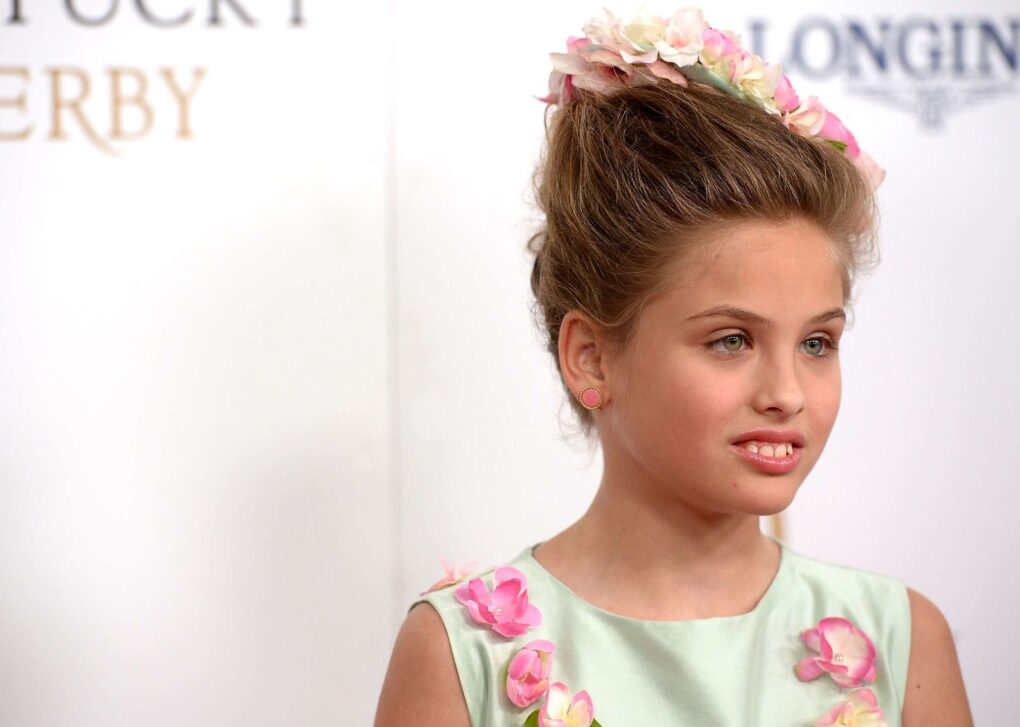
(769, 450)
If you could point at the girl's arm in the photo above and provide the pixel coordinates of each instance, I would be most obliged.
(935, 693)
(421, 686)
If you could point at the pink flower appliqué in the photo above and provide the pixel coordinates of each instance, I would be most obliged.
(860, 710)
(527, 678)
(506, 609)
(563, 710)
(454, 574)
(846, 653)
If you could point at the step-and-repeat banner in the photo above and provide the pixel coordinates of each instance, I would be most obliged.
(266, 353)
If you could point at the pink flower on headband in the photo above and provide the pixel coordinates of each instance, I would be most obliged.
(615, 53)
(786, 98)
(718, 45)
(834, 130)
(875, 173)
(844, 652)
(506, 609)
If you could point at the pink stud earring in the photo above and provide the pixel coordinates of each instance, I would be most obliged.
(591, 397)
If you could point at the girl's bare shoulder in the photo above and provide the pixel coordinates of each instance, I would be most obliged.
(935, 691)
(421, 685)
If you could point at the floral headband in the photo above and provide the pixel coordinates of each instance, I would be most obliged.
(685, 49)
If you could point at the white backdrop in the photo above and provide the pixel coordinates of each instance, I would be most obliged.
(256, 381)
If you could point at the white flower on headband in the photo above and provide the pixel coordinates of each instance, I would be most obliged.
(613, 54)
(683, 41)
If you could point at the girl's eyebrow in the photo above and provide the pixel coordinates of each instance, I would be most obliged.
(728, 311)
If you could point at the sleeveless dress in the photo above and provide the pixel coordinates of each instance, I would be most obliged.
(826, 644)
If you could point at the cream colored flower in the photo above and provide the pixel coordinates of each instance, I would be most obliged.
(756, 80)
(643, 32)
(683, 41)
(606, 32)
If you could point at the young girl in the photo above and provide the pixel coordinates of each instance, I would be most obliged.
(703, 228)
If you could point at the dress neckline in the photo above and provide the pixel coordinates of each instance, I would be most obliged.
(770, 595)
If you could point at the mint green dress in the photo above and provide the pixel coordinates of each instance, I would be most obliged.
(728, 671)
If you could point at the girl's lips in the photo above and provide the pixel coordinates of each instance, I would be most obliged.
(771, 465)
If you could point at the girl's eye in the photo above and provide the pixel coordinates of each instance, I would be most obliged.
(731, 345)
(734, 339)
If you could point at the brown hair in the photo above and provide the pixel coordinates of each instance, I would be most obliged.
(630, 182)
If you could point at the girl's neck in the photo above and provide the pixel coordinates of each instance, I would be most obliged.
(652, 560)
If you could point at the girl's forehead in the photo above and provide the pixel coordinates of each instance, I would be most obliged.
(783, 268)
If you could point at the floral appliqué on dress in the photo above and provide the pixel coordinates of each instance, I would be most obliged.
(525, 679)
(843, 651)
(454, 574)
(847, 655)
(505, 609)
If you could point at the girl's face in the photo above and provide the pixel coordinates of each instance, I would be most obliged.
(691, 384)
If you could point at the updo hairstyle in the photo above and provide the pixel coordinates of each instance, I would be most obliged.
(633, 182)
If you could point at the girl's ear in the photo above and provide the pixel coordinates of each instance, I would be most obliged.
(581, 352)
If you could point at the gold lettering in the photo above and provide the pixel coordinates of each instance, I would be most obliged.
(18, 103)
(118, 100)
(73, 105)
(183, 99)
